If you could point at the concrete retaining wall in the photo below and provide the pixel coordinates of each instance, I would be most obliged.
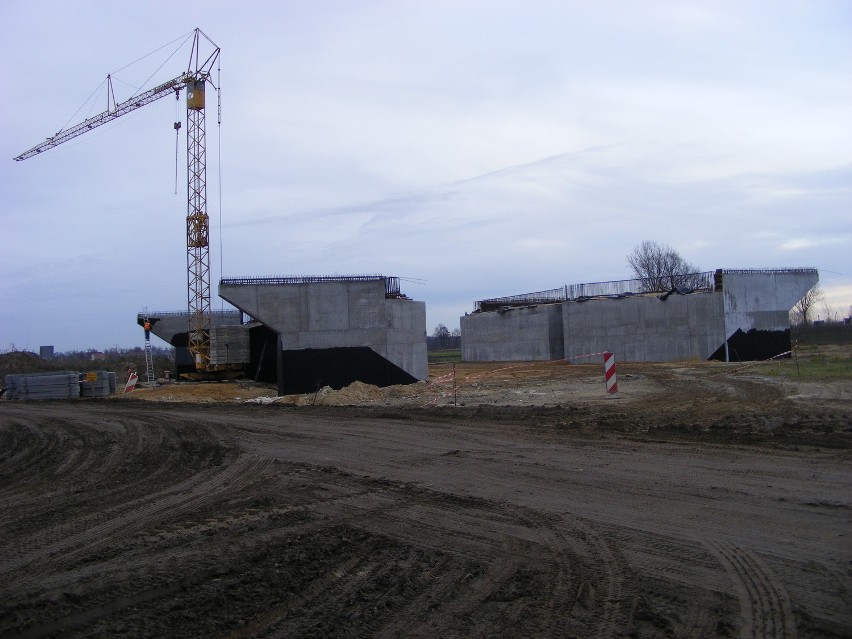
(645, 328)
(516, 334)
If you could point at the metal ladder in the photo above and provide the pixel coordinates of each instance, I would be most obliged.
(149, 357)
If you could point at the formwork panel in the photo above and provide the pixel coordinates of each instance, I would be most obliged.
(229, 345)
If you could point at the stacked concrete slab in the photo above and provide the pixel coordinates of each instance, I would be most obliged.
(740, 315)
(229, 344)
(58, 385)
(314, 317)
(97, 384)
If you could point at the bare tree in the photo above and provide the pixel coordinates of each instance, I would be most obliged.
(803, 310)
(441, 334)
(828, 312)
(661, 268)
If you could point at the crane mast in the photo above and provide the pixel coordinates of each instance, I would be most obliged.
(197, 227)
(194, 80)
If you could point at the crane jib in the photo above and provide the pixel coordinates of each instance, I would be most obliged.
(95, 121)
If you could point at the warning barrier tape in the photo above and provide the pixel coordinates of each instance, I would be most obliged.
(469, 380)
(750, 364)
(609, 372)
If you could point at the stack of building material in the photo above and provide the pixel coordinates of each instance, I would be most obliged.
(229, 345)
(97, 384)
(60, 385)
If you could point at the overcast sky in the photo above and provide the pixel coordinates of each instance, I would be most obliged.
(473, 148)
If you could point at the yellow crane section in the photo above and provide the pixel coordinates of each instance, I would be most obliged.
(195, 79)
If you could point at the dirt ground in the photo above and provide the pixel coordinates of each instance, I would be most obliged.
(704, 500)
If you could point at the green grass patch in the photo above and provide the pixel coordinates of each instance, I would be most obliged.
(813, 367)
(445, 356)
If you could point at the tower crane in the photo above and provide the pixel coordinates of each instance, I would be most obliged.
(195, 79)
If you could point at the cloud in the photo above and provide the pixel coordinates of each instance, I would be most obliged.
(483, 147)
(809, 243)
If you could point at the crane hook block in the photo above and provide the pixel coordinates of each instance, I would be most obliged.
(177, 126)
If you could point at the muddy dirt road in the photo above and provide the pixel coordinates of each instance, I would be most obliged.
(608, 519)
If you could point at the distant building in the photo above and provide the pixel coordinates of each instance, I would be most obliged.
(46, 352)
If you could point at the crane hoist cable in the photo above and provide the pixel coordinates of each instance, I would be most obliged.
(177, 137)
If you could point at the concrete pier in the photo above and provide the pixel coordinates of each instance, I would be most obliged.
(735, 315)
(336, 330)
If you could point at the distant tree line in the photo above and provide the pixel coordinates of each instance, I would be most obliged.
(822, 333)
(113, 353)
(117, 360)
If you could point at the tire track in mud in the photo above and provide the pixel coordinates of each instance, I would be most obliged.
(29, 460)
(270, 622)
(362, 556)
(77, 448)
(27, 449)
(293, 524)
(189, 559)
(579, 576)
(678, 579)
(765, 605)
(384, 509)
(126, 461)
(200, 490)
(467, 575)
(610, 570)
(77, 461)
(466, 579)
(81, 562)
(563, 563)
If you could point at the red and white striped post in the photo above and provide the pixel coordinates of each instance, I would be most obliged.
(609, 373)
(131, 382)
